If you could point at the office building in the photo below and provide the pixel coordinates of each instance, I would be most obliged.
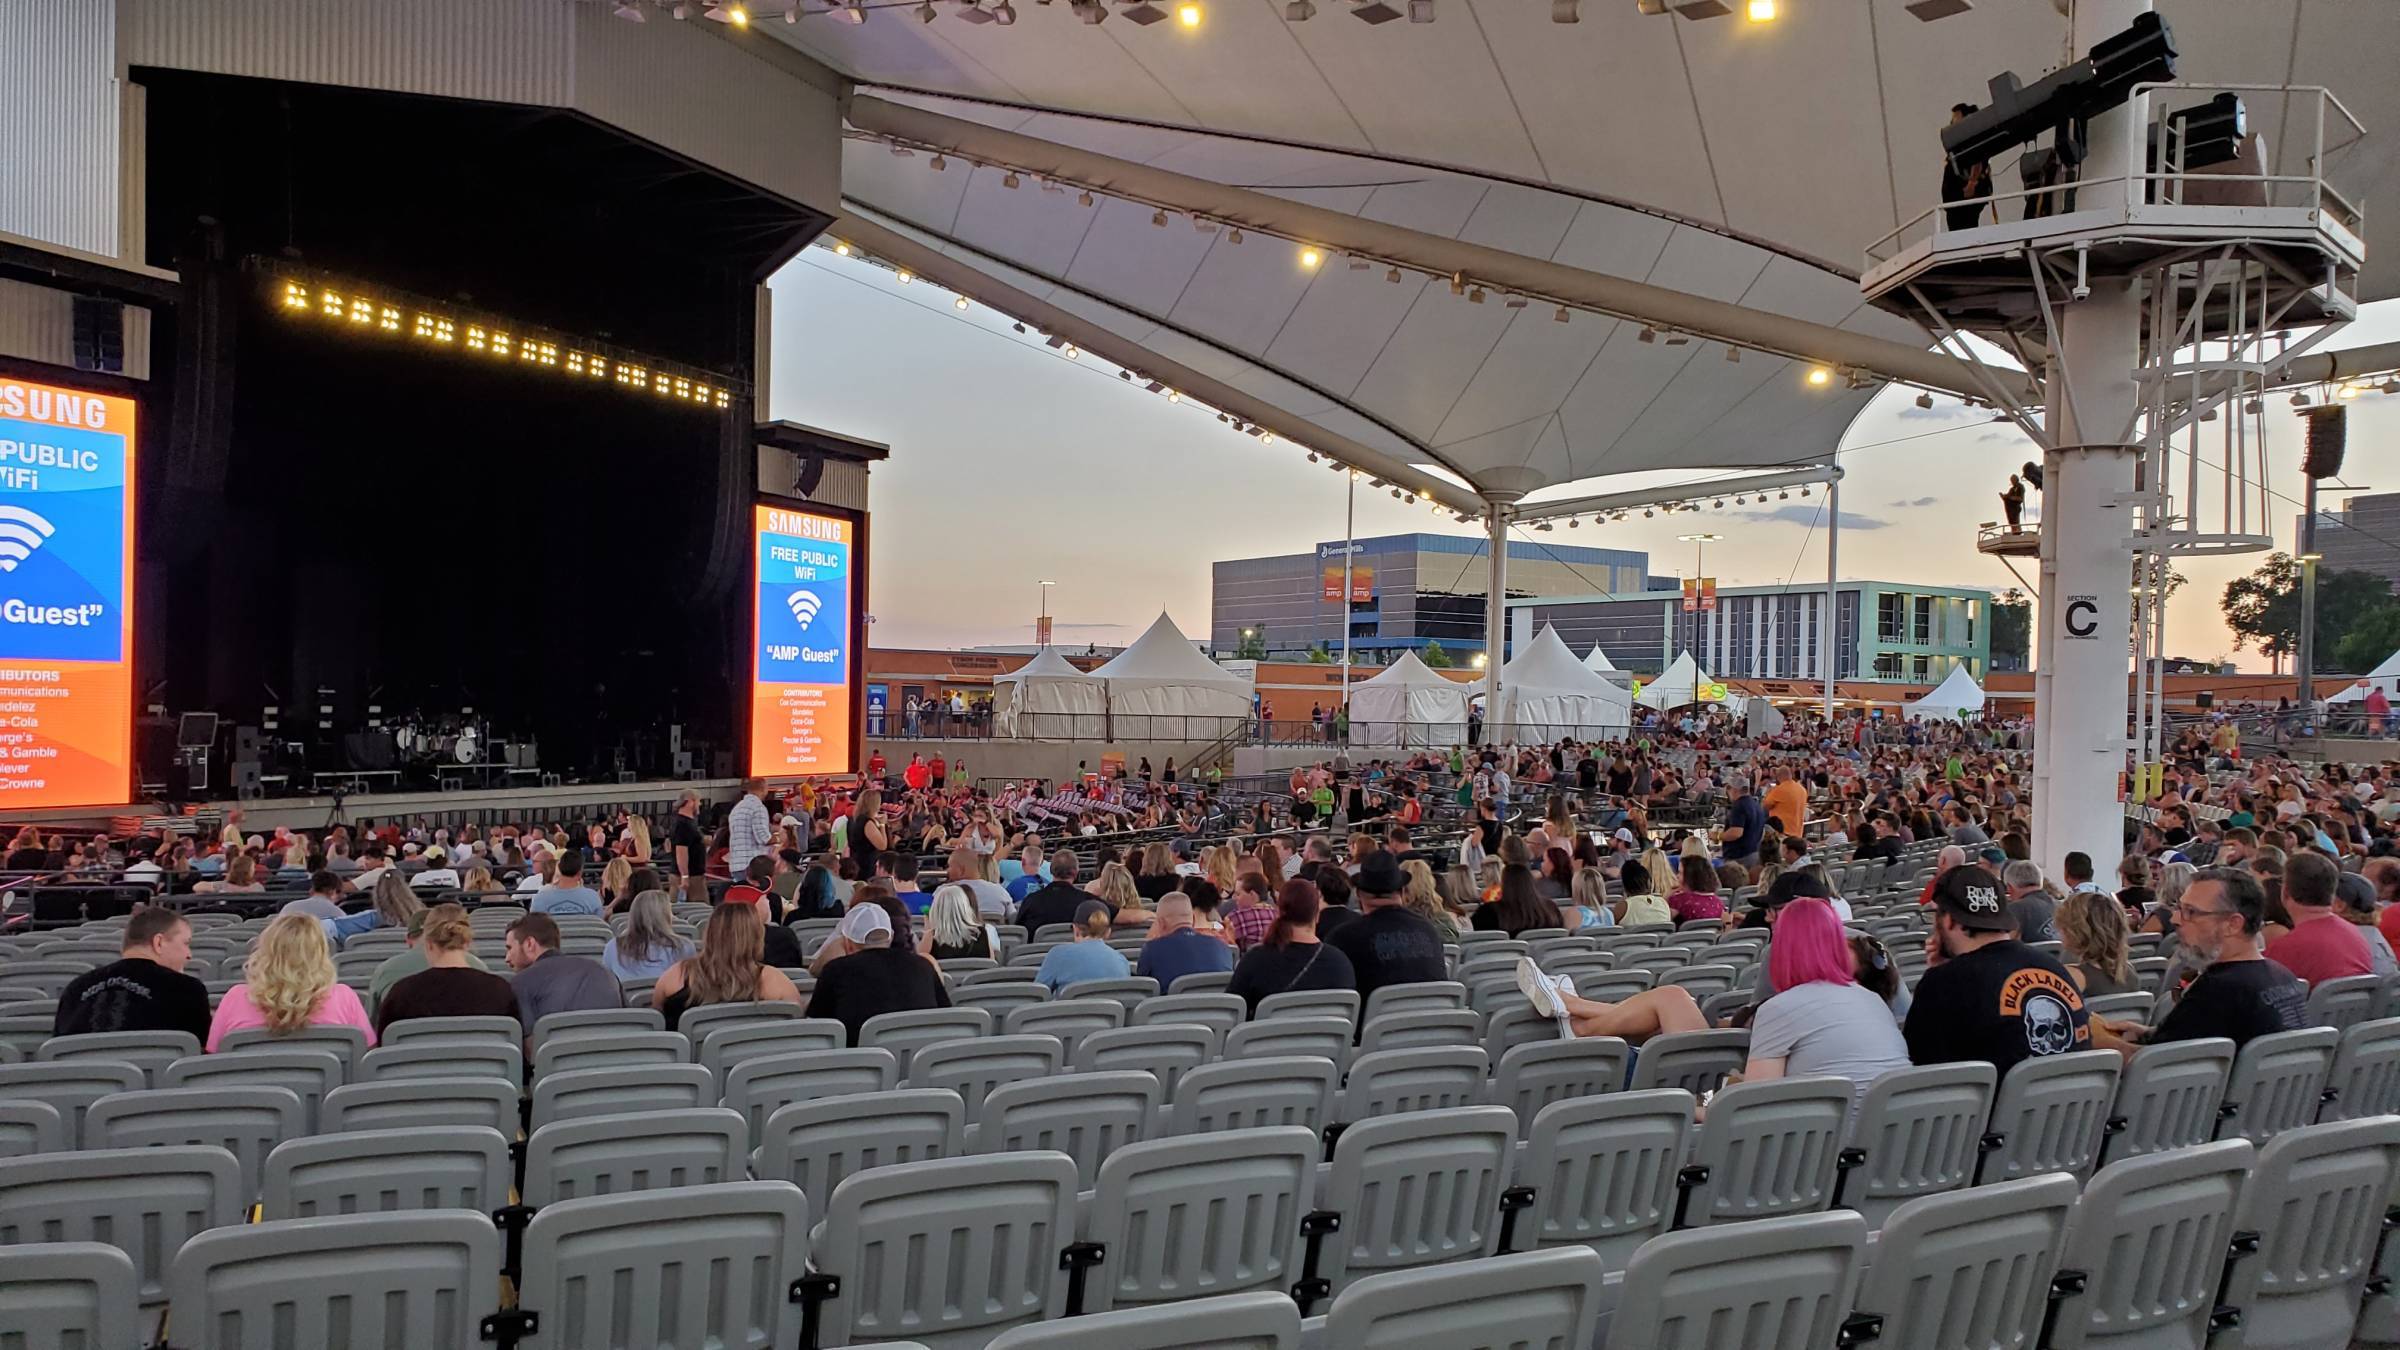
(2364, 536)
(1914, 634)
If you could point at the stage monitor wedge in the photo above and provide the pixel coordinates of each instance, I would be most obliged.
(808, 630)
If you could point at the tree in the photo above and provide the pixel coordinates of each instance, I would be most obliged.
(2263, 609)
(1435, 657)
(2012, 631)
(1253, 648)
(2376, 637)
(1318, 656)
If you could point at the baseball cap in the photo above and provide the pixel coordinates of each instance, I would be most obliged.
(1972, 896)
(1790, 886)
(866, 921)
(1624, 836)
(1379, 874)
(2357, 892)
(1085, 911)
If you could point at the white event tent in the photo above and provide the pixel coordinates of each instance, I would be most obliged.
(1957, 693)
(1048, 698)
(2385, 677)
(1598, 662)
(1546, 693)
(1163, 676)
(1408, 704)
(1682, 682)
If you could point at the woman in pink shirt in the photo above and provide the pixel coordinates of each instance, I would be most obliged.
(1698, 899)
(289, 984)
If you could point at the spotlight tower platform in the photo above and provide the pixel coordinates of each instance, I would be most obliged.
(2153, 291)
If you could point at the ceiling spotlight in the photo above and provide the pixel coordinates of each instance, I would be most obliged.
(1458, 284)
(1090, 11)
(1053, 341)
(1475, 296)
(1299, 11)
(900, 151)
(1559, 315)
(1420, 11)
(1204, 226)
(1158, 218)
(1650, 6)
(1783, 496)
(841, 248)
(906, 276)
(1924, 400)
(1004, 13)
(1545, 527)
(1018, 326)
(1234, 235)
(1804, 493)
(2353, 390)
(1762, 11)
(1718, 504)
(1392, 275)
(1646, 335)
(1144, 13)
(1565, 11)
(959, 303)
(682, 11)
(926, 13)
(1083, 199)
(792, 15)
(2390, 386)
(1515, 302)
(1309, 258)
(853, 13)
(629, 10)
(1375, 11)
(1929, 10)
(2300, 400)
(1223, 418)
(1678, 339)
(940, 164)
(1733, 356)
(1646, 514)
(1266, 438)
(1128, 375)
(1188, 14)
(1819, 376)
(1573, 523)
(1312, 456)
(732, 14)
(1152, 387)
(1073, 351)
(1011, 180)
(1174, 396)
(2253, 406)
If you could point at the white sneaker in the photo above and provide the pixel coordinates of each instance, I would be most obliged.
(1547, 994)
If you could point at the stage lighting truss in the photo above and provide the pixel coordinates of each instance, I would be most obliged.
(373, 309)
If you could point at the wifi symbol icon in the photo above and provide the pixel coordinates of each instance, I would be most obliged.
(21, 532)
(804, 607)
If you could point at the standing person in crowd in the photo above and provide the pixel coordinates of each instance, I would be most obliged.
(954, 929)
(648, 944)
(2354, 901)
(730, 967)
(1289, 957)
(1985, 995)
(2092, 929)
(1818, 1019)
(1745, 825)
(871, 977)
(868, 833)
(2035, 914)
(448, 986)
(1088, 956)
(1176, 949)
(288, 984)
(550, 981)
(752, 832)
(144, 989)
(687, 849)
(1387, 943)
(1787, 802)
(1057, 901)
(2321, 946)
(566, 893)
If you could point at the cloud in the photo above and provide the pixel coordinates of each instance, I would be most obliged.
(1912, 503)
(1798, 513)
(1939, 412)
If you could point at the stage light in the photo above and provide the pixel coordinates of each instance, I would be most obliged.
(1392, 275)
(2352, 390)
(1925, 400)
(1018, 327)
(1804, 494)
(841, 248)
(1309, 258)
(1573, 523)
(1159, 218)
(1009, 181)
(1234, 235)
(940, 164)
(1762, 11)
(1188, 15)
(1312, 456)
(2300, 400)
(295, 295)
(1475, 295)
(1266, 438)
(1083, 199)
(1559, 315)
(1733, 356)
(959, 303)
(501, 343)
(1819, 376)
(926, 13)
(906, 276)
(1073, 352)
(361, 312)
(1174, 396)
(1299, 11)
(1648, 334)
(476, 339)
(732, 14)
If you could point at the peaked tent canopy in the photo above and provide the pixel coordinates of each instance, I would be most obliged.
(1408, 704)
(1048, 697)
(1684, 682)
(1957, 693)
(2385, 677)
(1598, 662)
(1163, 676)
(1546, 694)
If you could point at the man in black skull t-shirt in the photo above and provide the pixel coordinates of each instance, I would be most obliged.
(2241, 994)
(1989, 997)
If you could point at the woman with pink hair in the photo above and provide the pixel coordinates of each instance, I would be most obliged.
(1818, 1020)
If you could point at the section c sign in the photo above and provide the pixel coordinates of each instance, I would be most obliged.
(2082, 617)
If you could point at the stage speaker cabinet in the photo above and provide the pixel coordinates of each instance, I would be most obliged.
(245, 779)
(674, 738)
(99, 335)
(247, 744)
(683, 763)
(2328, 436)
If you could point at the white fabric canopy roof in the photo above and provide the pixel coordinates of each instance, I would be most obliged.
(1598, 662)
(1957, 693)
(1408, 703)
(1063, 701)
(1682, 682)
(1546, 693)
(1163, 675)
(2385, 676)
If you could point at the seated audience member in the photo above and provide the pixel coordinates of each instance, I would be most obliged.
(1088, 956)
(1058, 900)
(649, 943)
(954, 929)
(323, 898)
(288, 984)
(2354, 900)
(2240, 994)
(566, 893)
(1642, 903)
(818, 896)
(1289, 955)
(966, 869)
(392, 905)
(2028, 903)
(781, 946)
(1819, 1020)
(409, 961)
(1520, 906)
(870, 977)
(1254, 909)
(1388, 943)
(1699, 897)
(2321, 945)
(1985, 995)
(2092, 930)
(1334, 890)
(1176, 949)
(448, 986)
(550, 981)
(144, 989)
(730, 967)
(757, 880)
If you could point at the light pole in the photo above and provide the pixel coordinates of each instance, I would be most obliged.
(1349, 552)
(1044, 630)
(1699, 543)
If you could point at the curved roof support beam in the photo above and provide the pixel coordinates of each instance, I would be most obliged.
(1636, 301)
(935, 265)
(1675, 492)
(2326, 367)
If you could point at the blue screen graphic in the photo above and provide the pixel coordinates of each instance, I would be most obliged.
(62, 543)
(803, 610)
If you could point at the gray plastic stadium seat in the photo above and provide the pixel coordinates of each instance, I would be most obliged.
(1000, 997)
(1425, 1028)
(309, 1071)
(2149, 1236)
(972, 1069)
(1916, 1134)
(1086, 1116)
(415, 1279)
(1202, 982)
(83, 1296)
(1281, 1037)
(2120, 1007)
(2278, 1083)
(1417, 1190)
(1253, 1094)
(1177, 1222)
(145, 1202)
(1426, 996)
(633, 1151)
(1547, 1298)
(384, 1171)
(600, 1092)
(1969, 1270)
(1769, 1149)
(501, 1059)
(948, 1251)
(904, 1033)
(30, 1127)
(453, 1031)
(1777, 1284)
(347, 1042)
(1069, 1020)
(1342, 1003)
(697, 1023)
(976, 979)
(816, 1144)
(728, 1044)
(756, 1087)
(71, 1086)
(421, 1103)
(22, 1033)
(1164, 1050)
(1602, 1170)
(2365, 1078)
(2050, 1115)
(596, 1021)
(1219, 1012)
(247, 1122)
(1533, 1075)
(1127, 993)
(1258, 1321)
(615, 1050)
(1390, 1082)
(1696, 1061)
(2316, 1197)
(2168, 1097)
(2344, 1003)
(1510, 1021)
(702, 1265)
(149, 1051)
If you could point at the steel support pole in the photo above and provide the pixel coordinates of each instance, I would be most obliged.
(1495, 618)
(1349, 550)
(2308, 597)
(1829, 625)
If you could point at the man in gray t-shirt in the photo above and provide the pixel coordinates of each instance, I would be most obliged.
(550, 981)
(2033, 909)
